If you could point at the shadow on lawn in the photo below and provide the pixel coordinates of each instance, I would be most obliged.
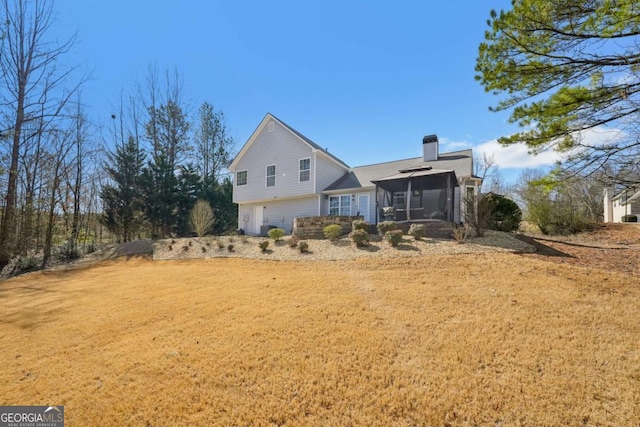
(542, 249)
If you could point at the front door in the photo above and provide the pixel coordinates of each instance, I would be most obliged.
(257, 219)
(363, 205)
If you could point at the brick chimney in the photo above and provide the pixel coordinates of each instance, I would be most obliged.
(429, 148)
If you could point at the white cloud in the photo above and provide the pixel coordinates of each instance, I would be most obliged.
(516, 156)
(447, 145)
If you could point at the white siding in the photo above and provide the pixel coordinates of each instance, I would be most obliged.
(620, 210)
(324, 206)
(327, 172)
(282, 149)
(279, 213)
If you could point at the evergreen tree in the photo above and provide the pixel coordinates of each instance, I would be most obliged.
(122, 200)
(565, 68)
(189, 189)
(168, 129)
(160, 194)
(220, 198)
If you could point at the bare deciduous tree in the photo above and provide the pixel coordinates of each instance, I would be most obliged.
(33, 89)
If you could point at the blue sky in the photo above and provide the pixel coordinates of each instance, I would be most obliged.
(367, 80)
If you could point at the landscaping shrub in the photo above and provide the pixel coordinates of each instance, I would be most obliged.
(263, 245)
(385, 226)
(230, 247)
(293, 241)
(504, 214)
(417, 231)
(630, 218)
(360, 225)
(332, 232)
(276, 234)
(461, 233)
(303, 246)
(394, 237)
(360, 237)
(202, 218)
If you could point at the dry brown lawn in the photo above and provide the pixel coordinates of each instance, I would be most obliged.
(461, 340)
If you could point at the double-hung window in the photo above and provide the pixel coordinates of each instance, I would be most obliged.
(271, 175)
(241, 178)
(340, 205)
(305, 170)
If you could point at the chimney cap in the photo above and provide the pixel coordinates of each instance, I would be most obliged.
(430, 138)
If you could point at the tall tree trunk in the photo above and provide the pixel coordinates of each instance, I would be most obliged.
(7, 229)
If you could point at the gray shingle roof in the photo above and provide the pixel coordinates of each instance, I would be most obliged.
(461, 162)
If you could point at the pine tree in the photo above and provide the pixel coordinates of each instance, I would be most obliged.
(122, 199)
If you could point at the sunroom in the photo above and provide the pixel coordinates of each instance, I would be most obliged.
(416, 195)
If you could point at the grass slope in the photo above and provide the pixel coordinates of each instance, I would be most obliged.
(445, 340)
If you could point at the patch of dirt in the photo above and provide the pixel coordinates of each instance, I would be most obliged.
(612, 247)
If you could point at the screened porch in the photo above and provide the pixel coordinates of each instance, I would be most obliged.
(416, 195)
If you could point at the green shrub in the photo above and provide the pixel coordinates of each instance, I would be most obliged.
(360, 225)
(385, 226)
(504, 214)
(68, 252)
(461, 233)
(332, 232)
(303, 246)
(360, 237)
(263, 245)
(293, 241)
(394, 237)
(630, 218)
(417, 231)
(276, 234)
(27, 263)
(230, 247)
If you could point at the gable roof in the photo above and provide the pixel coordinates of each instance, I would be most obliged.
(300, 136)
(461, 162)
(628, 195)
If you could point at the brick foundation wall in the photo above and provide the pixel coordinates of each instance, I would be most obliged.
(311, 227)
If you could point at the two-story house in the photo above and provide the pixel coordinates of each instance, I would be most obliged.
(279, 174)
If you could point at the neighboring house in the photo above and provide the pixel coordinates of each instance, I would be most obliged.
(625, 203)
(279, 174)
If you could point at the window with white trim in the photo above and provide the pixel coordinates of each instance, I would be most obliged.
(340, 205)
(305, 170)
(241, 178)
(271, 175)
